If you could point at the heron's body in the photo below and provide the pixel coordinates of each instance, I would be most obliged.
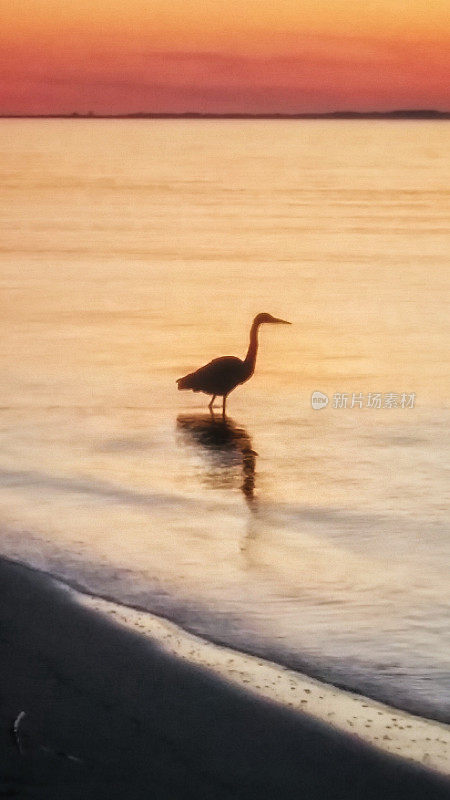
(219, 377)
(222, 375)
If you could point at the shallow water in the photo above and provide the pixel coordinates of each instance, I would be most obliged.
(133, 252)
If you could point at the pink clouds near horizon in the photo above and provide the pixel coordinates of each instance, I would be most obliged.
(316, 72)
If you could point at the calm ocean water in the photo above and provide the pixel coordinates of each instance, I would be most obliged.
(132, 253)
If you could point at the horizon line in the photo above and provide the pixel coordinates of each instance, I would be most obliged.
(420, 113)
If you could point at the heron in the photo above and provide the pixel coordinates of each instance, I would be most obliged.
(223, 374)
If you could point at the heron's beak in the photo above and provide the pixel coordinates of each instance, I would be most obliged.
(281, 321)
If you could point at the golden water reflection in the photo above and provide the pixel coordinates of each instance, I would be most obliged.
(225, 448)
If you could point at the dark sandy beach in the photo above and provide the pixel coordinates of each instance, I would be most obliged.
(106, 715)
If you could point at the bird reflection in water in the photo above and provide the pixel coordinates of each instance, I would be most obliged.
(226, 447)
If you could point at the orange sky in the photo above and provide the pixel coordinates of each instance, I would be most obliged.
(108, 56)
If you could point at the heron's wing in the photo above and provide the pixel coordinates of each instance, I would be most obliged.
(218, 377)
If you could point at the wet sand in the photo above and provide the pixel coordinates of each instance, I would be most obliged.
(389, 729)
(99, 701)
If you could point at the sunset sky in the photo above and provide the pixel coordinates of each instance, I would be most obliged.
(112, 56)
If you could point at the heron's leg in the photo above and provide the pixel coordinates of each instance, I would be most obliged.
(224, 404)
(210, 405)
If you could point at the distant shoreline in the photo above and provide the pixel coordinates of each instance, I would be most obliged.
(401, 114)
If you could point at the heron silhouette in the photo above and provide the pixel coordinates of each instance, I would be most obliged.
(223, 374)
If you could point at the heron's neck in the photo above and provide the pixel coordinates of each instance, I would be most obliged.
(250, 358)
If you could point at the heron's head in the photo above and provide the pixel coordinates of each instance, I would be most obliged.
(261, 318)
